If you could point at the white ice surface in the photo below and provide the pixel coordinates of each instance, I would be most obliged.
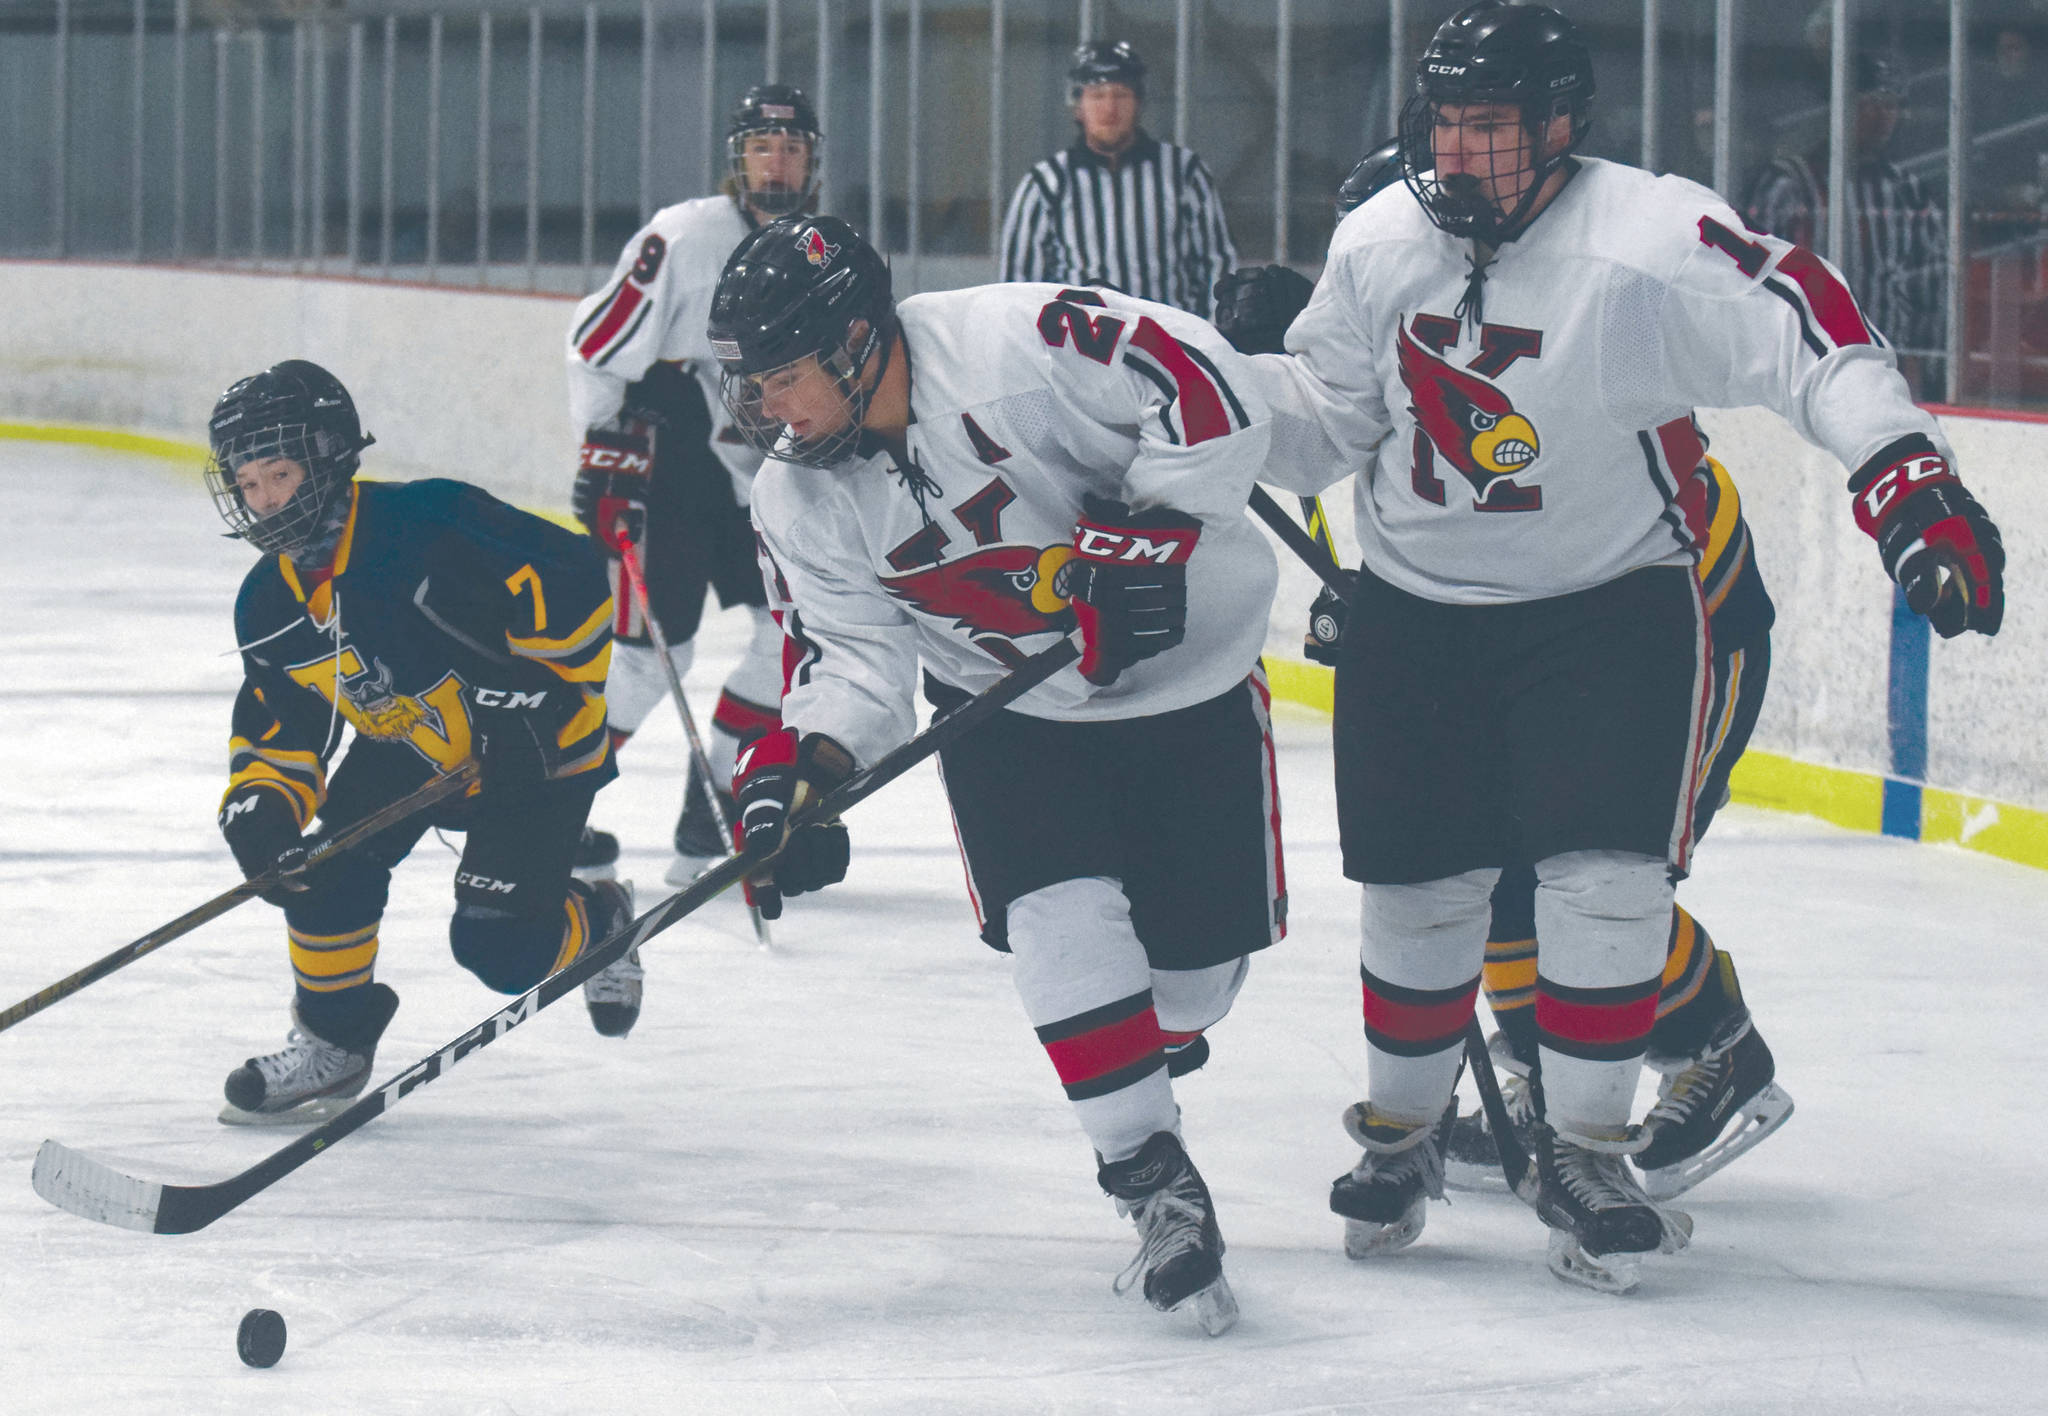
(841, 1178)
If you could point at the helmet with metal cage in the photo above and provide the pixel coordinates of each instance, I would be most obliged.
(802, 288)
(1529, 57)
(1105, 61)
(773, 108)
(295, 410)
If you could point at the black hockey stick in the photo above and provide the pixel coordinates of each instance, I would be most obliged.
(439, 789)
(74, 1181)
(1514, 1160)
(629, 559)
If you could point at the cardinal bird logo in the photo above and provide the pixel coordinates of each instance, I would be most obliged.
(997, 594)
(1472, 424)
(817, 250)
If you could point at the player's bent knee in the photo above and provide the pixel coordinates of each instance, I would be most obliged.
(1427, 935)
(1605, 903)
(1189, 1000)
(509, 952)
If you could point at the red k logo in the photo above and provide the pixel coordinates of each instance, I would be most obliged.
(1468, 420)
(817, 250)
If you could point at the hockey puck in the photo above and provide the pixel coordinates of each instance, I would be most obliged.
(260, 1339)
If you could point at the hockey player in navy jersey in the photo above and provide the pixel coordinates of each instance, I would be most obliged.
(954, 483)
(661, 463)
(441, 626)
(1511, 345)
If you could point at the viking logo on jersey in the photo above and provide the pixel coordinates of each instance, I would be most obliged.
(378, 711)
(996, 593)
(1471, 424)
(817, 250)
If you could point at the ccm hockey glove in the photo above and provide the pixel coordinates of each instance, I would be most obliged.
(1255, 305)
(610, 495)
(263, 833)
(776, 779)
(1128, 583)
(1326, 624)
(1933, 537)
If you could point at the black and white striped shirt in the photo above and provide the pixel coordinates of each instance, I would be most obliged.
(1148, 224)
(1898, 255)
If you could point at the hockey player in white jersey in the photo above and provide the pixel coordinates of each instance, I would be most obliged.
(660, 462)
(956, 483)
(1511, 345)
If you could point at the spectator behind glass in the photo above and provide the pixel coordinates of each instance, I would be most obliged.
(1896, 257)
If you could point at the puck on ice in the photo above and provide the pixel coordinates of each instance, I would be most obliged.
(260, 1339)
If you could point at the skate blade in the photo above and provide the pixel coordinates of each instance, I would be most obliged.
(1214, 1307)
(306, 1113)
(1759, 1117)
(1608, 1273)
(1364, 1239)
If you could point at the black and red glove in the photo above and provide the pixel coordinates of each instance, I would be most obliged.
(1128, 583)
(776, 780)
(1934, 539)
(610, 494)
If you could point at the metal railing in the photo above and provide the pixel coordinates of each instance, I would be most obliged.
(517, 146)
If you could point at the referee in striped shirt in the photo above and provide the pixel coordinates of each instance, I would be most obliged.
(1119, 208)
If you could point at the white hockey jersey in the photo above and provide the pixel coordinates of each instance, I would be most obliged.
(1539, 448)
(1023, 397)
(655, 307)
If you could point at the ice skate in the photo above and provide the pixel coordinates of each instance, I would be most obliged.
(1180, 1253)
(1385, 1198)
(1601, 1222)
(613, 993)
(699, 842)
(1186, 1057)
(314, 1077)
(1711, 1109)
(597, 856)
(1471, 1159)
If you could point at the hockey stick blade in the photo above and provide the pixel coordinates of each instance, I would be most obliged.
(92, 1189)
(439, 789)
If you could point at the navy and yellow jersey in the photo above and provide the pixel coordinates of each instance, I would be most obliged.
(444, 603)
(1738, 606)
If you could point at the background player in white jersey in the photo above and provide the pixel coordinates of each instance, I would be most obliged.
(1511, 345)
(956, 482)
(660, 460)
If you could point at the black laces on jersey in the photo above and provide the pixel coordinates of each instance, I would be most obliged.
(919, 483)
(1474, 301)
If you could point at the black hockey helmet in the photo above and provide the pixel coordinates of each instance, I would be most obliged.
(1105, 61)
(1527, 56)
(1376, 171)
(773, 108)
(800, 288)
(294, 410)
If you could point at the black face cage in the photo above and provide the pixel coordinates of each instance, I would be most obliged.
(773, 202)
(1461, 206)
(846, 366)
(301, 521)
